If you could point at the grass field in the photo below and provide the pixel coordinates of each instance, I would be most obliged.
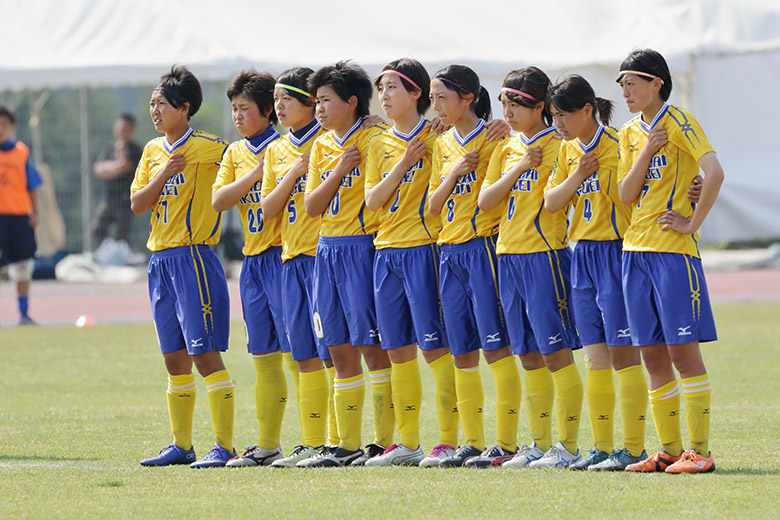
(80, 407)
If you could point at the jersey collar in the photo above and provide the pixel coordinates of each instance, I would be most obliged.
(416, 130)
(529, 141)
(8, 145)
(178, 144)
(342, 142)
(586, 148)
(655, 120)
(463, 141)
(258, 143)
(304, 134)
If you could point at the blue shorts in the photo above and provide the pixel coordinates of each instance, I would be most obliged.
(343, 291)
(297, 304)
(535, 291)
(406, 292)
(469, 295)
(261, 302)
(666, 299)
(597, 293)
(17, 239)
(190, 302)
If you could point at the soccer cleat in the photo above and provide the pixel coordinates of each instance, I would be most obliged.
(692, 461)
(525, 456)
(255, 456)
(658, 461)
(460, 457)
(397, 455)
(557, 457)
(439, 452)
(216, 458)
(618, 460)
(371, 451)
(493, 456)
(329, 458)
(170, 456)
(594, 456)
(298, 454)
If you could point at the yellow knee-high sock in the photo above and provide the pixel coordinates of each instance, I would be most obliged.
(382, 400)
(221, 401)
(665, 406)
(600, 392)
(313, 406)
(508, 395)
(632, 389)
(568, 405)
(697, 392)
(270, 398)
(348, 395)
(181, 404)
(333, 425)
(446, 399)
(292, 366)
(539, 396)
(471, 399)
(407, 398)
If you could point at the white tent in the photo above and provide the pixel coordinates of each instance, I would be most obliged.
(724, 55)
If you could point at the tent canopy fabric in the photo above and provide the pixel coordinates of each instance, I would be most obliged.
(724, 56)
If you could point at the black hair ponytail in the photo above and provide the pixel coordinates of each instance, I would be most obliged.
(575, 92)
(465, 81)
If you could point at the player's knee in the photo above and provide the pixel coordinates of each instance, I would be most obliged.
(21, 271)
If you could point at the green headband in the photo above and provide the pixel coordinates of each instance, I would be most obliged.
(294, 89)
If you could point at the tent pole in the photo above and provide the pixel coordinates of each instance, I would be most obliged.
(86, 178)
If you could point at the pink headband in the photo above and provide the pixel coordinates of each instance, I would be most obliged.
(638, 73)
(442, 78)
(404, 76)
(519, 93)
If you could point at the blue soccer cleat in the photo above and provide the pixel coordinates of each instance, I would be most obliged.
(216, 458)
(170, 456)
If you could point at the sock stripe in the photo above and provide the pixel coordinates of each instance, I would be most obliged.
(696, 387)
(380, 376)
(672, 392)
(470, 370)
(346, 385)
(221, 385)
(181, 388)
(266, 354)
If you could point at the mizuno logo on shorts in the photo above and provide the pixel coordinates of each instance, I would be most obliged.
(196, 343)
(624, 333)
(432, 336)
(555, 339)
(684, 331)
(492, 338)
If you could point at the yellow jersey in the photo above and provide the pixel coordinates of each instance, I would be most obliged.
(670, 173)
(461, 217)
(259, 233)
(598, 213)
(404, 221)
(526, 227)
(183, 214)
(300, 232)
(346, 214)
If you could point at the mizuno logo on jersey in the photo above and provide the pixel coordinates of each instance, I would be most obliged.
(389, 155)
(492, 338)
(589, 185)
(253, 195)
(571, 161)
(172, 185)
(684, 331)
(237, 164)
(555, 339)
(431, 336)
(654, 170)
(281, 160)
(463, 186)
(445, 158)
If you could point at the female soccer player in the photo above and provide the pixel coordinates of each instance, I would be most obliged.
(585, 176)
(469, 290)
(284, 183)
(406, 261)
(344, 317)
(239, 182)
(187, 285)
(661, 151)
(534, 263)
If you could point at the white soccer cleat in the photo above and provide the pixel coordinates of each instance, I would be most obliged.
(255, 456)
(438, 453)
(525, 456)
(557, 457)
(398, 455)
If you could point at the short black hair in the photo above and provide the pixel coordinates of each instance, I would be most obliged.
(464, 80)
(532, 81)
(298, 77)
(180, 86)
(257, 86)
(649, 61)
(414, 70)
(127, 116)
(8, 114)
(574, 92)
(346, 79)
